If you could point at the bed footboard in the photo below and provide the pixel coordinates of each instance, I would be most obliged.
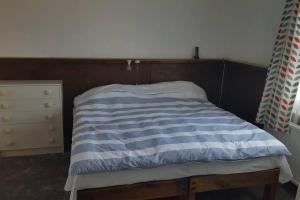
(140, 191)
(186, 188)
(267, 178)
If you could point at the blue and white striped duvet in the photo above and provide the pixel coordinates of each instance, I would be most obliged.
(125, 128)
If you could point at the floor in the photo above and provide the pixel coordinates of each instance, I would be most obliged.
(43, 177)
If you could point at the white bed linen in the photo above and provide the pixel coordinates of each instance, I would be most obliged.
(168, 172)
(185, 88)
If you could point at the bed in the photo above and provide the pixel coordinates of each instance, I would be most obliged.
(166, 135)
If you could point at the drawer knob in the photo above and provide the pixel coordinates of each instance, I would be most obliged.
(51, 128)
(4, 105)
(51, 140)
(8, 130)
(6, 118)
(3, 93)
(9, 143)
(49, 116)
(47, 92)
(48, 105)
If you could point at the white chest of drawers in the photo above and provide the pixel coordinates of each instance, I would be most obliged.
(30, 117)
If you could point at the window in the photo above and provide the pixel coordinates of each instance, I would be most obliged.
(296, 109)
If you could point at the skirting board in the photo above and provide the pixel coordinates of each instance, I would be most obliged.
(27, 152)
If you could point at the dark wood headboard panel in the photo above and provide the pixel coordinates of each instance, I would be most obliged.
(79, 75)
(206, 74)
(243, 86)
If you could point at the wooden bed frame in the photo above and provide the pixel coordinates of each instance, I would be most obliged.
(186, 188)
(217, 77)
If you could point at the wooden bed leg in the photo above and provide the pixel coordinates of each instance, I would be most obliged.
(183, 197)
(270, 191)
(192, 196)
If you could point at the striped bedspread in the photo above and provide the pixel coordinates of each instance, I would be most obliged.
(120, 129)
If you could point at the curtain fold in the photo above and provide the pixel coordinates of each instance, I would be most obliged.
(280, 91)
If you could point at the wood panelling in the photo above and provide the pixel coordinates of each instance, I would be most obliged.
(207, 75)
(242, 84)
(79, 75)
(242, 89)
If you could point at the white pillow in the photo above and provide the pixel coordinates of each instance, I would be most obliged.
(183, 88)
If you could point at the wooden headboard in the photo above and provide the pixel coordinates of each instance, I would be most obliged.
(79, 75)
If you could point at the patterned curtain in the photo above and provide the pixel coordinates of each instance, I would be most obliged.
(283, 73)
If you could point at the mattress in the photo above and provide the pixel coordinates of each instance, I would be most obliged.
(175, 171)
(124, 127)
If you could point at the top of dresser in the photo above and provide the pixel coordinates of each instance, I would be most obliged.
(29, 82)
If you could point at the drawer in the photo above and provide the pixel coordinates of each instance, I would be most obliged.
(30, 136)
(7, 117)
(30, 142)
(28, 129)
(29, 91)
(29, 104)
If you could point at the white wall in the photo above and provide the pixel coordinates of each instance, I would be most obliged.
(111, 28)
(253, 27)
(240, 30)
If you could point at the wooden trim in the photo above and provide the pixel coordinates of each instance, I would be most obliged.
(218, 182)
(186, 188)
(109, 60)
(140, 191)
(255, 65)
